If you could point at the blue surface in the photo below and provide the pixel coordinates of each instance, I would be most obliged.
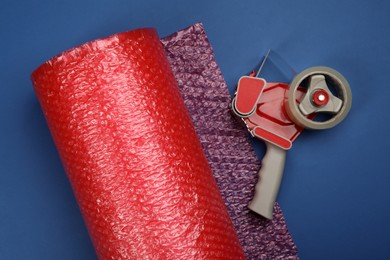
(335, 193)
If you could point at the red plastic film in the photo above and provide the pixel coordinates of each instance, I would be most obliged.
(127, 143)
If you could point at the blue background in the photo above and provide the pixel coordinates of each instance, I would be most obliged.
(335, 192)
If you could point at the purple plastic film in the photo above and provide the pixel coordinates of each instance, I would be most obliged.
(225, 142)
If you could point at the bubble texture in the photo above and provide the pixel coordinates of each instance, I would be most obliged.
(226, 144)
(132, 156)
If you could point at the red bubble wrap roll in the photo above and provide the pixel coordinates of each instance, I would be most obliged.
(127, 143)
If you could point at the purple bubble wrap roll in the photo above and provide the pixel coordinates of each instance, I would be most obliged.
(225, 142)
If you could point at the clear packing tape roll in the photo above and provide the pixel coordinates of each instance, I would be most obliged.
(119, 110)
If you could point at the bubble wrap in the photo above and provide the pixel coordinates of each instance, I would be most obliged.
(132, 156)
(226, 144)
